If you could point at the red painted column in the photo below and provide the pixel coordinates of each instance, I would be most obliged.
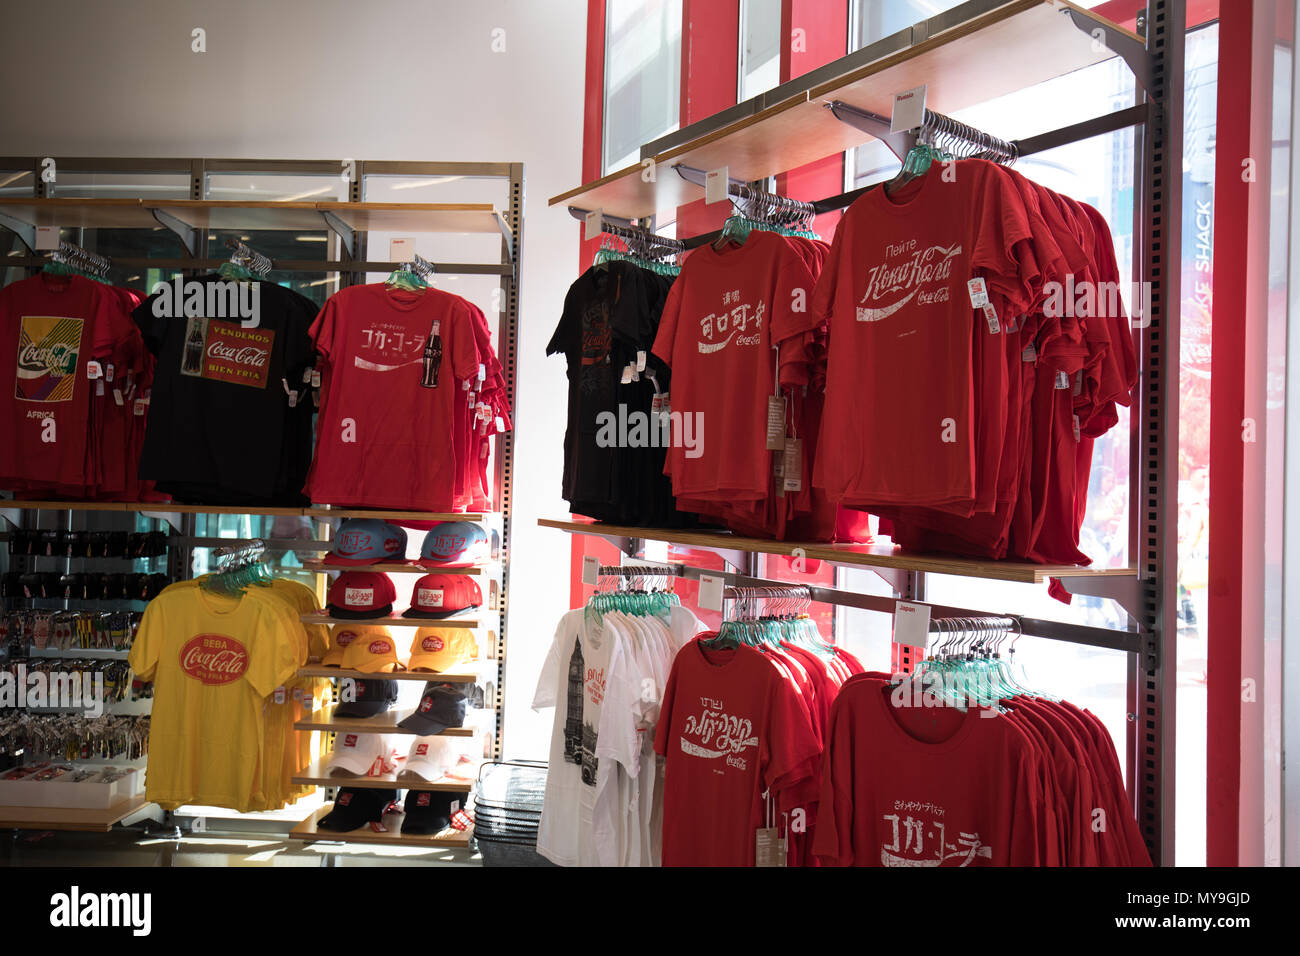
(710, 70)
(1232, 198)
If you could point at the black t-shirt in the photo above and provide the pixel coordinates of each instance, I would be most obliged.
(220, 428)
(611, 314)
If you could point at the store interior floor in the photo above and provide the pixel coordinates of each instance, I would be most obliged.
(152, 845)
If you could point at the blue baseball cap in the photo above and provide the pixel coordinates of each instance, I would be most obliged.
(367, 541)
(453, 544)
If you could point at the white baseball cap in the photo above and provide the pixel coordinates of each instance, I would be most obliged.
(431, 756)
(362, 755)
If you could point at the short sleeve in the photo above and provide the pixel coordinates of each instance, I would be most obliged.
(788, 740)
(792, 312)
(546, 694)
(324, 330)
(464, 357)
(663, 731)
(1001, 221)
(664, 338)
(274, 653)
(149, 638)
(153, 328)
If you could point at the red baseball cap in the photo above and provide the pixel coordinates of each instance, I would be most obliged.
(361, 594)
(443, 595)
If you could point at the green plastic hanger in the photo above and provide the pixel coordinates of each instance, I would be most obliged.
(401, 278)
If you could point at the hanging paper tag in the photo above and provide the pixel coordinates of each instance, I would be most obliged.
(591, 224)
(482, 369)
(640, 360)
(500, 424)
(710, 596)
(979, 292)
(775, 422)
(117, 397)
(108, 373)
(656, 404)
(315, 378)
(139, 407)
(1076, 427)
(590, 569)
(1062, 380)
(911, 624)
(1030, 354)
(769, 847)
(400, 250)
(909, 110)
(793, 467)
(279, 695)
(1078, 381)
(306, 376)
(93, 369)
(715, 185)
(99, 387)
(991, 317)
(778, 474)
(627, 375)
(297, 693)
(47, 237)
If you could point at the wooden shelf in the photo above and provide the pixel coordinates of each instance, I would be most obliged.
(857, 555)
(1010, 48)
(416, 217)
(450, 838)
(459, 676)
(393, 620)
(232, 215)
(324, 511)
(316, 511)
(317, 775)
(388, 567)
(81, 213)
(61, 818)
(325, 720)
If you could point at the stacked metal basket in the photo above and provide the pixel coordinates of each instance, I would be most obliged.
(507, 811)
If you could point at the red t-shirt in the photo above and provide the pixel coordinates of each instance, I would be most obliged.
(724, 315)
(731, 726)
(383, 440)
(900, 386)
(932, 786)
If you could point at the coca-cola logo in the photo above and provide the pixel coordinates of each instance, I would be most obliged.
(422, 800)
(431, 597)
(426, 705)
(344, 799)
(247, 355)
(446, 545)
(353, 542)
(432, 644)
(214, 659)
(344, 638)
(421, 750)
(359, 597)
(380, 647)
(350, 740)
(52, 358)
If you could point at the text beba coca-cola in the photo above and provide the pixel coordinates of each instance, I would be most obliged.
(214, 659)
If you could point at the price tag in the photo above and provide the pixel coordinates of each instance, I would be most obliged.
(500, 424)
(656, 404)
(1078, 381)
(1062, 380)
(991, 317)
(640, 360)
(775, 422)
(979, 292)
(401, 250)
(911, 624)
(778, 474)
(710, 597)
(93, 370)
(656, 551)
(1030, 354)
(315, 378)
(306, 376)
(769, 847)
(47, 237)
(793, 466)
(1076, 427)
(108, 373)
(627, 375)
(715, 185)
(139, 407)
(909, 109)
(279, 695)
(591, 224)
(117, 397)
(590, 569)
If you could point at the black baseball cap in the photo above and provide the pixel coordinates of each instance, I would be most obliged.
(355, 807)
(428, 811)
(442, 705)
(371, 697)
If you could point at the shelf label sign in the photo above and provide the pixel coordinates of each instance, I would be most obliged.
(715, 185)
(710, 597)
(591, 224)
(400, 250)
(911, 624)
(909, 109)
(47, 237)
(590, 569)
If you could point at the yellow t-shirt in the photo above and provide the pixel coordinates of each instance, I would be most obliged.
(214, 660)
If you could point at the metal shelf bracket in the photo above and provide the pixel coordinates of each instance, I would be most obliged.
(188, 235)
(1124, 591)
(1133, 52)
(25, 231)
(347, 235)
(899, 143)
(173, 518)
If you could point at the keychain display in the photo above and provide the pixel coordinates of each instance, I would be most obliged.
(83, 585)
(21, 631)
(71, 737)
(87, 544)
(116, 675)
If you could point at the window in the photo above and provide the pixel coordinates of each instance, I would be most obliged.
(643, 71)
(760, 47)
(876, 19)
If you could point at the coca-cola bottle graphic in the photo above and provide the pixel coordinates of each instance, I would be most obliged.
(432, 356)
(192, 356)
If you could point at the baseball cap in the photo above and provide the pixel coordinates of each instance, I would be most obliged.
(442, 705)
(341, 635)
(442, 595)
(453, 544)
(356, 806)
(363, 755)
(374, 653)
(367, 541)
(361, 594)
(441, 648)
(430, 757)
(426, 811)
(368, 697)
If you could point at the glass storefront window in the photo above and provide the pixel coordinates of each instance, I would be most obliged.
(643, 74)
(760, 47)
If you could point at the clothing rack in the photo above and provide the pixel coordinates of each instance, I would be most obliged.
(418, 265)
(238, 556)
(78, 258)
(640, 240)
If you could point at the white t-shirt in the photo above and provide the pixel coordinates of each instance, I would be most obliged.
(557, 832)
